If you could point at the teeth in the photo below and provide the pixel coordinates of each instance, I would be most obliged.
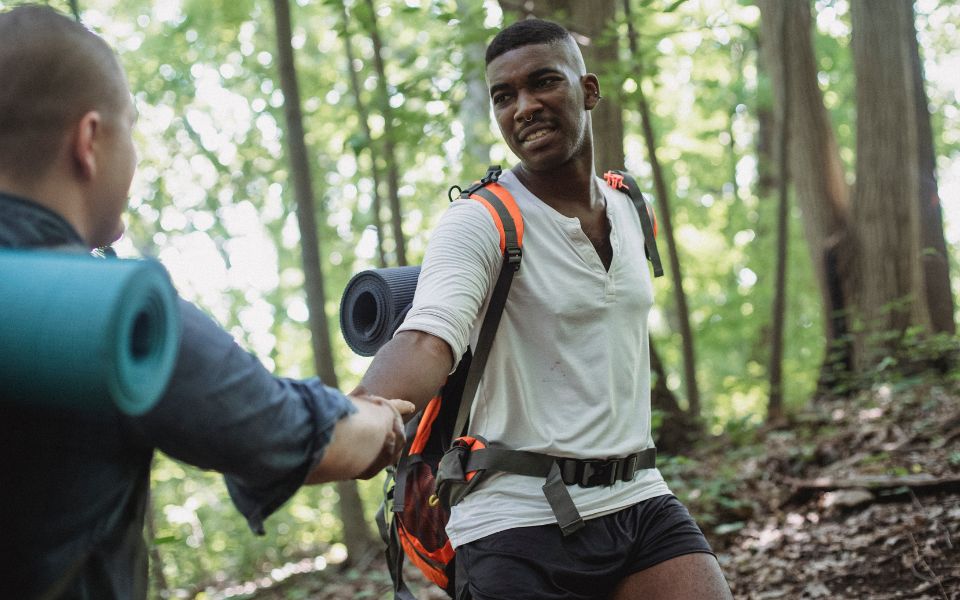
(536, 135)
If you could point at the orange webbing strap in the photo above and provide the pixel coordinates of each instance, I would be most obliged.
(426, 425)
(505, 212)
(419, 556)
(624, 182)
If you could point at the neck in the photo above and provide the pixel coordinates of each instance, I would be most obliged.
(571, 185)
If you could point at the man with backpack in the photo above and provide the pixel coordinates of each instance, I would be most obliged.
(567, 375)
(74, 484)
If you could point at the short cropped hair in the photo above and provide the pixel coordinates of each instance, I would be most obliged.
(524, 33)
(53, 70)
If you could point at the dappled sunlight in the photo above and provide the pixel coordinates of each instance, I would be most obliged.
(213, 200)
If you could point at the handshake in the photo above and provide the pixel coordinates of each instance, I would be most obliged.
(366, 441)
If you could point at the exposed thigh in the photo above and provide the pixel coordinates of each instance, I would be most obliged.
(671, 559)
(688, 577)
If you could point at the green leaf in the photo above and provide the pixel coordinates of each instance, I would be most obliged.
(674, 6)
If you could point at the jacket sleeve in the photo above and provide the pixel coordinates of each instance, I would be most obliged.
(224, 411)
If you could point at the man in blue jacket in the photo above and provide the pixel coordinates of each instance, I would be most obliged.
(74, 486)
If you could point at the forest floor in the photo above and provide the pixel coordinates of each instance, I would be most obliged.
(855, 499)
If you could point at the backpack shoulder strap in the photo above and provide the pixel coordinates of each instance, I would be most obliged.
(506, 215)
(624, 182)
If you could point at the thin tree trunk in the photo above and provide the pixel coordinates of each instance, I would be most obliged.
(677, 429)
(158, 581)
(357, 536)
(775, 405)
(815, 168)
(475, 109)
(364, 117)
(389, 138)
(591, 23)
(936, 266)
(889, 277)
(680, 298)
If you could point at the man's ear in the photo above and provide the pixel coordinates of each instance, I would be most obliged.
(83, 141)
(591, 90)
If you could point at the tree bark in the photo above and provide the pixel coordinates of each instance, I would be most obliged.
(659, 181)
(936, 266)
(889, 274)
(389, 138)
(474, 111)
(357, 536)
(590, 22)
(815, 168)
(364, 117)
(775, 404)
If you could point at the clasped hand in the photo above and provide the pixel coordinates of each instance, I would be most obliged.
(366, 441)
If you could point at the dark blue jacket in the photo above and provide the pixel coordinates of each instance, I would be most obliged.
(74, 486)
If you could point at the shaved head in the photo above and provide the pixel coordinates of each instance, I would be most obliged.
(536, 31)
(53, 71)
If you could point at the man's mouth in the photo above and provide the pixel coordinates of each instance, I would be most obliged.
(539, 133)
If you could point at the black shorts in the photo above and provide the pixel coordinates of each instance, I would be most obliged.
(539, 563)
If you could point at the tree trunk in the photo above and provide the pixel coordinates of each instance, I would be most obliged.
(357, 536)
(365, 124)
(815, 168)
(775, 404)
(474, 112)
(389, 138)
(659, 182)
(889, 274)
(936, 266)
(591, 23)
(677, 430)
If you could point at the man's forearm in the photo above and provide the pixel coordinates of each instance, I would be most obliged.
(412, 366)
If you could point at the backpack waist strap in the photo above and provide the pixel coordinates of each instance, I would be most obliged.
(585, 472)
(462, 464)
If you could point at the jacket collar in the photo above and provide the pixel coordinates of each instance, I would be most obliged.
(26, 224)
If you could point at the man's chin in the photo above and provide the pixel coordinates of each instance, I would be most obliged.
(117, 233)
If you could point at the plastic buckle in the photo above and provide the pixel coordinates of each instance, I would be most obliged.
(596, 472)
(513, 257)
(492, 176)
(628, 467)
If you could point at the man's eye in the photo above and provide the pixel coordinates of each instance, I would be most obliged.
(547, 81)
(500, 99)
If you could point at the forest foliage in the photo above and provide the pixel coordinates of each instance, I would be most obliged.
(212, 197)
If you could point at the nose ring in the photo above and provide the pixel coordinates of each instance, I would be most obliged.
(528, 119)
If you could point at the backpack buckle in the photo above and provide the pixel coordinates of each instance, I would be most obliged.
(514, 255)
(589, 472)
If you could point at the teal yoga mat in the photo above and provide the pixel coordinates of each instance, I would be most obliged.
(82, 333)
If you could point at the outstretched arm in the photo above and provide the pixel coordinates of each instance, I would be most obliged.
(413, 365)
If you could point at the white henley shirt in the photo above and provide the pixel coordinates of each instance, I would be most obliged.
(569, 370)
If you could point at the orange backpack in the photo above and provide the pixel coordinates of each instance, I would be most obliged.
(442, 463)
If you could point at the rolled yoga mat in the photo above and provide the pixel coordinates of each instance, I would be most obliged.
(374, 304)
(81, 333)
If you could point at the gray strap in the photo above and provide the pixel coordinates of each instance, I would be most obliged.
(533, 465)
(555, 490)
(530, 464)
(649, 241)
